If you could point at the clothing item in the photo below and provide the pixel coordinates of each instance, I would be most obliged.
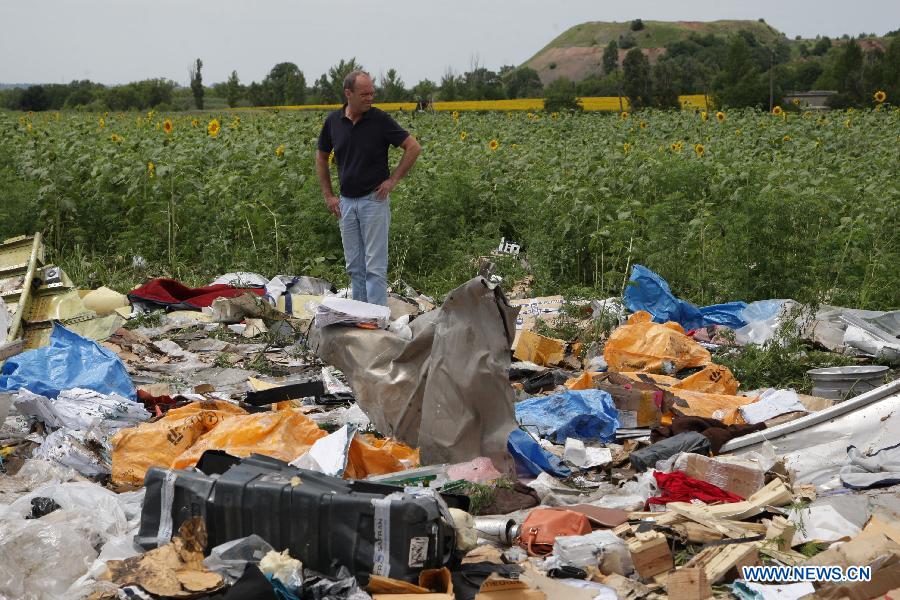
(678, 487)
(688, 441)
(361, 149)
(716, 431)
(174, 295)
(365, 223)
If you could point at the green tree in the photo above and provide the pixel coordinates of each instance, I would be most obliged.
(482, 84)
(424, 90)
(822, 46)
(34, 98)
(523, 82)
(637, 25)
(338, 72)
(392, 87)
(740, 82)
(560, 95)
(323, 93)
(197, 84)
(286, 84)
(665, 92)
(611, 58)
(637, 84)
(233, 90)
(450, 87)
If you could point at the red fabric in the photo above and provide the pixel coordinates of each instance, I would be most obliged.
(170, 293)
(678, 487)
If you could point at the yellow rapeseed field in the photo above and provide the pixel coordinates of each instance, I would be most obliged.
(598, 103)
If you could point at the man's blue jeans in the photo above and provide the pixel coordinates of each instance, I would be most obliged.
(364, 232)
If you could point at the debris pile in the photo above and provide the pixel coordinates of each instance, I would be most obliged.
(266, 437)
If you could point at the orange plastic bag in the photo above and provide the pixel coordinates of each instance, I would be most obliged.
(157, 444)
(284, 434)
(715, 406)
(714, 379)
(397, 449)
(642, 345)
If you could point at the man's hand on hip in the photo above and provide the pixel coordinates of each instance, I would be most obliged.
(334, 205)
(386, 187)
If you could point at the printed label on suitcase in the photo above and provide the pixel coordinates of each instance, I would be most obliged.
(418, 551)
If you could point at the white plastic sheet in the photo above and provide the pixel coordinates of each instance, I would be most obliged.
(83, 409)
(821, 523)
(344, 311)
(328, 455)
(771, 404)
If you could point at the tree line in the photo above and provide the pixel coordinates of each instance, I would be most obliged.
(736, 71)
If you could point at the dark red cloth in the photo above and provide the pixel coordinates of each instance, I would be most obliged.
(678, 487)
(174, 295)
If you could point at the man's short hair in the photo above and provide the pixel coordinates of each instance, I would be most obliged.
(350, 79)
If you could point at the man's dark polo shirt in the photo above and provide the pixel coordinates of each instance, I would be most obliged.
(361, 150)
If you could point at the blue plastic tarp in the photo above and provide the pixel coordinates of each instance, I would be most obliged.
(729, 314)
(650, 292)
(531, 459)
(587, 415)
(70, 361)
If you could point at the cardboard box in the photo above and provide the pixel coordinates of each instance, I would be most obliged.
(743, 479)
(650, 554)
(539, 349)
(496, 587)
(434, 584)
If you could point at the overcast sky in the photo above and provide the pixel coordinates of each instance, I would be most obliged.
(117, 41)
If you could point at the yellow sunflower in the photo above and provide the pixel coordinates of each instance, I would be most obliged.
(194, 122)
(624, 115)
(796, 101)
(704, 115)
(786, 138)
(738, 131)
(699, 149)
(626, 147)
(168, 126)
(213, 128)
(116, 138)
(676, 146)
(279, 151)
(151, 169)
(643, 124)
(493, 145)
(455, 115)
(462, 136)
(28, 127)
(777, 111)
(720, 117)
(848, 123)
(880, 96)
(554, 115)
(102, 122)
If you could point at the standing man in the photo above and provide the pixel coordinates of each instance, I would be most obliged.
(359, 135)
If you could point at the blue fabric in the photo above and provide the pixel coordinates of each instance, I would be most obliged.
(587, 415)
(365, 222)
(531, 459)
(70, 361)
(650, 292)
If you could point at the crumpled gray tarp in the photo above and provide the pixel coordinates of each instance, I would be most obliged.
(878, 469)
(447, 390)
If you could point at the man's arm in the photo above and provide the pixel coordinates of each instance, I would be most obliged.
(322, 170)
(411, 151)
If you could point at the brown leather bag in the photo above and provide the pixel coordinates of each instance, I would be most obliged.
(544, 525)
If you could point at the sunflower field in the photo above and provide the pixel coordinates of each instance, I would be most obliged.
(730, 205)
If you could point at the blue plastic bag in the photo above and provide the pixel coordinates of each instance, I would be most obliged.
(650, 292)
(531, 459)
(587, 415)
(70, 361)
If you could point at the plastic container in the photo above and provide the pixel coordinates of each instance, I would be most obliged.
(841, 383)
(324, 521)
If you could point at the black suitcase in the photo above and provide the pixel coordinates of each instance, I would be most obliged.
(323, 521)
